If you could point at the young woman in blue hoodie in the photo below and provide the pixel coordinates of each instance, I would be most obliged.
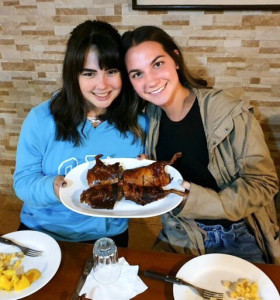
(89, 115)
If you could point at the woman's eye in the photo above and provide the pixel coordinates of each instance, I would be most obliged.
(112, 71)
(88, 74)
(158, 64)
(136, 75)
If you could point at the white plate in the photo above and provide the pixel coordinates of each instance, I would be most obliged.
(47, 263)
(77, 182)
(209, 270)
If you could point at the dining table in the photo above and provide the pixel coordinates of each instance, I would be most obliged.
(74, 256)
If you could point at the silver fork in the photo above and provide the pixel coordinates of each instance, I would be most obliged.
(27, 251)
(204, 293)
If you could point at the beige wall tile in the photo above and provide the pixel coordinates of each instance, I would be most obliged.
(228, 48)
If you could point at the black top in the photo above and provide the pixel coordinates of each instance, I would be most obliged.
(186, 136)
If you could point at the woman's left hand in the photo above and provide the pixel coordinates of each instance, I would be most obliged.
(142, 156)
(185, 184)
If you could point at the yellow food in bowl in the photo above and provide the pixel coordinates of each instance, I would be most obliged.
(242, 289)
(10, 276)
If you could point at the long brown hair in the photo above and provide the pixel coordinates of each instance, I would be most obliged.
(69, 107)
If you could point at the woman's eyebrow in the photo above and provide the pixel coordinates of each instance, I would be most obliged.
(156, 58)
(133, 71)
(88, 70)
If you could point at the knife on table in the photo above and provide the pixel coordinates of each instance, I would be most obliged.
(82, 279)
(172, 279)
(166, 278)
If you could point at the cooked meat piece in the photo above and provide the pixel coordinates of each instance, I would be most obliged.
(146, 194)
(104, 174)
(151, 175)
(102, 196)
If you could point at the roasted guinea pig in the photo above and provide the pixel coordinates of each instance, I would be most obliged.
(146, 194)
(102, 196)
(151, 175)
(104, 174)
(143, 185)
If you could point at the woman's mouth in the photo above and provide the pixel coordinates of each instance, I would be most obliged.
(102, 96)
(159, 90)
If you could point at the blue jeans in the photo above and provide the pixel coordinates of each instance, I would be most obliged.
(235, 240)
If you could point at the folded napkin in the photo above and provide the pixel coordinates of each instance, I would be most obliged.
(127, 286)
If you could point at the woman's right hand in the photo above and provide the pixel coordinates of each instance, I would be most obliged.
(59, 182)
(142, 156)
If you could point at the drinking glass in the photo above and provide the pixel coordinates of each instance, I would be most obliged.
(106, 268)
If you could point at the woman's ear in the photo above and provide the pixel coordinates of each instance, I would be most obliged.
(178, 54)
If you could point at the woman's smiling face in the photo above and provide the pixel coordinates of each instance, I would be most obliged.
(153, 73)
(99, 87)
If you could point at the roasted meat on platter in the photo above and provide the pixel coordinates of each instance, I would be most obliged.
(143, 185)
(146, 194)
(102, 196)
(104, 174)
(151, 175)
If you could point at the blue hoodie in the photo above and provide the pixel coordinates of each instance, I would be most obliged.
(40, 158)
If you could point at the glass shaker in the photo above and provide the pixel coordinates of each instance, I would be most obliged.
(106, 268)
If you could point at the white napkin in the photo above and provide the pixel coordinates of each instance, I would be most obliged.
(127, 286)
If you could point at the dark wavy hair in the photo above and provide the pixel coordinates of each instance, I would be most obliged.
(156, 34)
(69, 107)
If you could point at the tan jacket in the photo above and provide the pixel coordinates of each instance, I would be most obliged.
(240, 162)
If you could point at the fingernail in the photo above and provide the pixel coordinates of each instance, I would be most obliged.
(64, 184)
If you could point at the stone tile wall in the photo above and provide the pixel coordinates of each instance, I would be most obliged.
(228, 48)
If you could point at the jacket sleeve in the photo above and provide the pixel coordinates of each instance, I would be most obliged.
(30, 184)
(244, 170)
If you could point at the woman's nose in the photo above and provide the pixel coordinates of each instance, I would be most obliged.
(151, 79)
(101, 81)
